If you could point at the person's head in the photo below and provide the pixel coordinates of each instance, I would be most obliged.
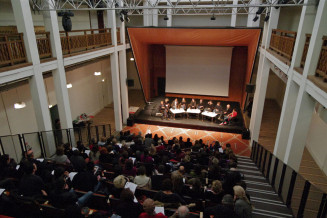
(161, 102)
(187, 158)
(29, 167)
(166, 100)
(161, 169)
(167, 185)
(60, 151)
(148, 206)
(103, 150)
(181, 138)
(30, 154)
(201, 101)
(193, 100)
(188, 140)
(183, 212)
(4, 160)
(58, 172)
(176, 99)
(141, 171)
(59, 184)
(119, 182)
(216, 186)
(227, 200)
(183, 100)
(196, 184)
(103, 139)
(218, 103)
(239, 192)
(129, 164)
(181, 169)
(127, 195)
(228, 106)
(215, 161)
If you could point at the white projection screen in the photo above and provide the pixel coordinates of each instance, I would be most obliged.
(198, 70)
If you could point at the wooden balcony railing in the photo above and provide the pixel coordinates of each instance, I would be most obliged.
(43, 44)
(322, 63)
(12, 49)
(82, 40)
(305, 49)
(283, 42)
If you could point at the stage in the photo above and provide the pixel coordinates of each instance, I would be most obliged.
(148, 116)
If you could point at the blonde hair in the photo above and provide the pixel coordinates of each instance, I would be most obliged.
(216, 186)
(119, 182)
(240, 194)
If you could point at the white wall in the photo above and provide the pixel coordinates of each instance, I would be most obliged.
(275, 89)
(132, 72)
(89, 94)
(317, 141)
(289, 18)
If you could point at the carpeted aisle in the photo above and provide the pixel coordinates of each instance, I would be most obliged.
(239, 145)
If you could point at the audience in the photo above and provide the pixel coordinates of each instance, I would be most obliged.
(174, 173)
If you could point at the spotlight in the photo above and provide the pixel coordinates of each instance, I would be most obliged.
(103, 80)
(97, 73)
(69, 85)
(131, 59)
(166, 17)
(256, 18)
(266, 18)
(66, 21)
(260, 10)
(19, 105)
(213, 17)
(281, 2)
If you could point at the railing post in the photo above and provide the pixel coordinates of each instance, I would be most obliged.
(21, 143)
(97, 132)
(281, 182)
(104, 130)
(86, 41)
(260, 159)
(304, 198)
(9, 50)
(269, 165)
(323, 207)
(93, 36)
(257, 154)
(41, 145)
(264, 162)
(273, 179)
(110, 130)
(253, 149)
(3, 150)
(291, 189)
(48, 43)
(89, 133)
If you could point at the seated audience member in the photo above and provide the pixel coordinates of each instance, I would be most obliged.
(30, 184)
(148, 206)
(80, 146)
(232, 178)
(145, 157)
(62, 197)
(242, 205)
(229, 117)
(68, 150)
(85, 180)
(181, 212)
(129, 169)
(127, 208)
(187, 164)
(104, 157)
(224, 210)
(119, 184)
(94, 154)
(195, 191)
(166, 195)
(77, 161)
(102, 142)
(216, 193)
(7, 167)
(188, 143)
(142, 180)
(158, 178)
(60, 156)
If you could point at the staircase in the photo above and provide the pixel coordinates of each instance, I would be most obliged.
(265, 200)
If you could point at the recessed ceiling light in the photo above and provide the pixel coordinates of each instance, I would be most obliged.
(19, 105)
(102, 80)
(69, 85)
(132, 59)
(97, 73)
(50, 106)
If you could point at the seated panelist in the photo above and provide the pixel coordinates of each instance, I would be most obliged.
(201, 105)
(174, 105)
(193, 104)
(218, 109)
(229, 116)
(183, 104)
(209, 106)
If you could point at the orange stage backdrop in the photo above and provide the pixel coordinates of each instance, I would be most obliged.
(143, 41)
